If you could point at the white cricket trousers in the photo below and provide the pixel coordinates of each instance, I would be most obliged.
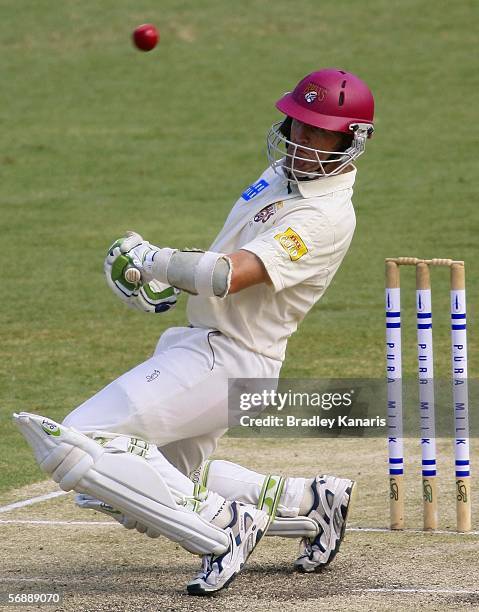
(177, 399)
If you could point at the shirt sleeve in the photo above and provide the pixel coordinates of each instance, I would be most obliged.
(298, 249)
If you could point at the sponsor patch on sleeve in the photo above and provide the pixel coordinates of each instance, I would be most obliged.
(292, 243)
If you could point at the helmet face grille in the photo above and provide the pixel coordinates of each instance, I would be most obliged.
(284, 153)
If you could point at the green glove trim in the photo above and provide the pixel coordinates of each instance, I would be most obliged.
(158, 295)
(118, 269)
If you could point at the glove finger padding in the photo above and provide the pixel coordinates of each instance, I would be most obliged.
(157, 297)
(130, 241)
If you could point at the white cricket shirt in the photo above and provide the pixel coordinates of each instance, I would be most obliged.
(301, 237)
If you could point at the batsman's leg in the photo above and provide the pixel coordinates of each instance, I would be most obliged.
(315, 510)
(204, 523)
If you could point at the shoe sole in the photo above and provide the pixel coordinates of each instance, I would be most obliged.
(352, 496)
(199, 590)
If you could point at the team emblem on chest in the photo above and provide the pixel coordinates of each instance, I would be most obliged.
(267, 212)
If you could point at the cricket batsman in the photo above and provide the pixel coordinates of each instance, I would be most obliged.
(139, 449)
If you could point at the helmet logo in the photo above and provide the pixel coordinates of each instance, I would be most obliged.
(314, 92)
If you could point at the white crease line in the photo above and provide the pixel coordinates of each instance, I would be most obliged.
(54, 523)
(115, 524)
(52, 495)
(11, 579)
(428, 533)
(32, 500)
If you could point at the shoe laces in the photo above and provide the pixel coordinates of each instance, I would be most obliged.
(205, 566)
(306, 548)
(199, 498)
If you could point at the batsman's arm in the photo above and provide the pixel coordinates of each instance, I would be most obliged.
(210, 274)
(247, 270)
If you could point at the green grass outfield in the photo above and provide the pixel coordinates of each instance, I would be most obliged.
(98, 138)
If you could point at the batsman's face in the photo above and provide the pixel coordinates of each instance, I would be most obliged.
(309, 137)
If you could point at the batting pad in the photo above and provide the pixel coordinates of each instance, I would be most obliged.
(296, 527)
(125, 481)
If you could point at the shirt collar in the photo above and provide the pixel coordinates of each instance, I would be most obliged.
(325, 186)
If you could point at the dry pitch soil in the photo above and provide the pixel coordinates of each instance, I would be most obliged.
(101, 566)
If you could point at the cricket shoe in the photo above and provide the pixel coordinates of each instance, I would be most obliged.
(245, 530)
(330, 510)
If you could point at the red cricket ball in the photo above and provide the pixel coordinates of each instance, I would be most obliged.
(145, 37)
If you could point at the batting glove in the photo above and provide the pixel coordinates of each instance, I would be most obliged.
(138, 250)
(145, 296)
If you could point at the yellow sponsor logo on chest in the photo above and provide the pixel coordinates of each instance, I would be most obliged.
(292, 244)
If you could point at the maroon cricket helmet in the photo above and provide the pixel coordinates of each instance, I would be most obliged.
(331, 99)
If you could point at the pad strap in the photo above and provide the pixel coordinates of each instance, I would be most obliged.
(271, 494)
(200, 475)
